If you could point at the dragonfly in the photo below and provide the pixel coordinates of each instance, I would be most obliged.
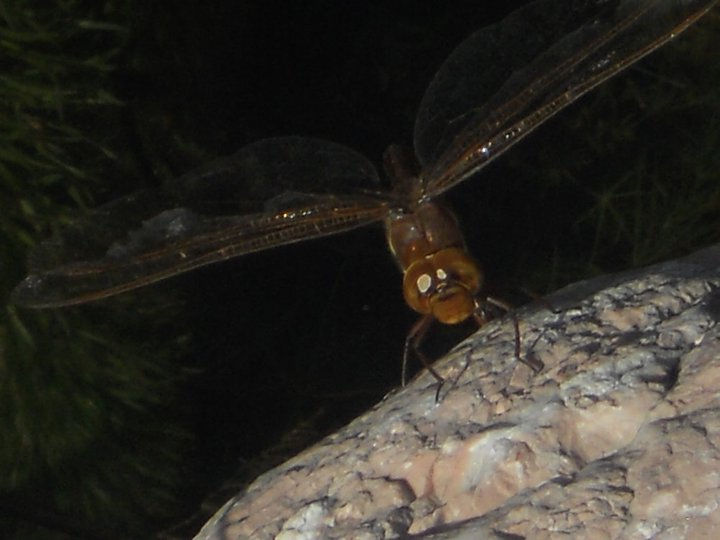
(495, 88)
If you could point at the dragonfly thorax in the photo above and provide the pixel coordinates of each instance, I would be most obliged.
(440, 278)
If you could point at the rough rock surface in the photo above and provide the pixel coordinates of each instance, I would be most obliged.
(617, 437)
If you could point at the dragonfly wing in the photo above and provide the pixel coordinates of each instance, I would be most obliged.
(542, 57)
(260, 172)
(149, 236)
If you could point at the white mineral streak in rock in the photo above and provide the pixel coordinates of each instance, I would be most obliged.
(617, 438)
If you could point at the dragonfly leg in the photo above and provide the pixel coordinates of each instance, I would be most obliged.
(412, 342)
(533, 362)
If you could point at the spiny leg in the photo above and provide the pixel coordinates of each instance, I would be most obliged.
(414, 339)
(533, 363)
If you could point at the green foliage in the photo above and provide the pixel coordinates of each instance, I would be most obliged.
(633, 169)
(668, 202)
(88, 397)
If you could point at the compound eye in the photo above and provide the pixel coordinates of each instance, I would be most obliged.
(452, 305)
(419, 285)
(458, 268)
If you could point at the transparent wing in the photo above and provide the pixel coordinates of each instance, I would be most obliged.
(270, 193)
(542, 57)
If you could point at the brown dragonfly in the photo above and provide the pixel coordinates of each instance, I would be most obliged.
(500, 84)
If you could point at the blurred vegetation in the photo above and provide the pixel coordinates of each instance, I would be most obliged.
(638, 164)
(100, 98)
(92, 438)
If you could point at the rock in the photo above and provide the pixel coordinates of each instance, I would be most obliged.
(617, 437)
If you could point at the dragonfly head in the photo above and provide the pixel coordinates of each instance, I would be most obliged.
(443, 284)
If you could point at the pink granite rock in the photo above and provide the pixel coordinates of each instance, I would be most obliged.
(618, 436)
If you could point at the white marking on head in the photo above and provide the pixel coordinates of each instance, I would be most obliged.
(441, 274)
(424, 282)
